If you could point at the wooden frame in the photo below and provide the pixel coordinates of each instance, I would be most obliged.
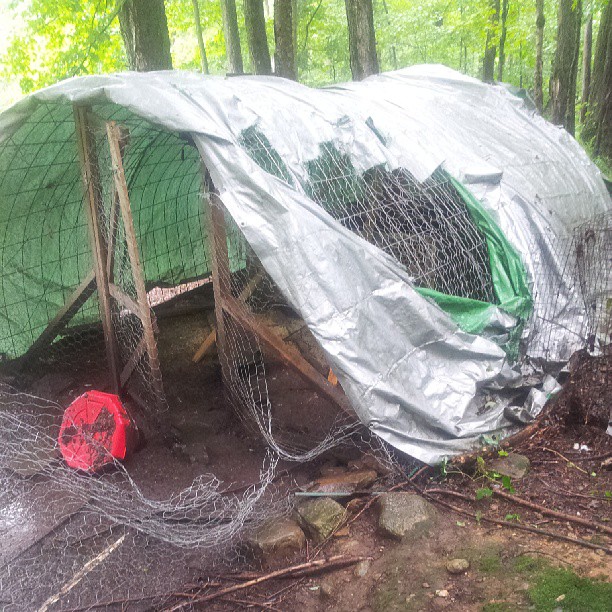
(227, 305)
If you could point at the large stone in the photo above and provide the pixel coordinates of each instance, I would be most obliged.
(514, 466)
(404, 515)
(344, 482)
(277, 537)
(320, 517)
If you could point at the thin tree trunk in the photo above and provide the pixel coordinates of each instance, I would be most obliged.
(587, 56)
(233, 52)
(199, 36)
(362, 38)
(257, 38)
(284, 54)
(565, 67)
(144, 30)
(393, 49)
(488, 64)
(538, 78)
(502, 40)
(598, 127)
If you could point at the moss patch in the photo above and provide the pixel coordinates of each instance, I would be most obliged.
(577, 594)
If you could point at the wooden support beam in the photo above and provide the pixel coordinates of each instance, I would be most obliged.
(206, 346)
(93, 191)
(220, 273)
(133, 361)
(126, 301)
(114, 140)
(287, 354)
(78, 297)
(210, 340)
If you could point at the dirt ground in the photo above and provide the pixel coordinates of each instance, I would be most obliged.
(506, 563)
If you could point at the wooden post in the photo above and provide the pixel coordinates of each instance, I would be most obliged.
(91, 182)
(220, 274)
(142, 306)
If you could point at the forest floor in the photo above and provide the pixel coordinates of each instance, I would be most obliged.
(509, 568)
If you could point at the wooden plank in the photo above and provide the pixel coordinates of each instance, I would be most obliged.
(133, 361)
(208, 343)
(125, 300)
(287, 354)
(114, 136)
(245, 294)
(220, 274)
(113, 218)
(78, 297)
(93, 191)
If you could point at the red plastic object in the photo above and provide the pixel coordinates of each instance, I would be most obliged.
(95, 431)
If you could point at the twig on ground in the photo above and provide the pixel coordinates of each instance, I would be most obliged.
(549, 534)
(570, 463)
(313, 566)
(572, 493)
(559, 515)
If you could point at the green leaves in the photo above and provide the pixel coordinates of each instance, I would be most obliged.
(483, 492)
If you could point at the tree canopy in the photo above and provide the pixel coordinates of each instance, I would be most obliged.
(44, 41)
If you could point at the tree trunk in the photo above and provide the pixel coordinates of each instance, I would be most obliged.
(599, 118)
(488, 64)
(233, 52)
(502, 41)
(257, 39)
(284, 54)
(565, 67)
(362, 38)
(587, 56)
(199, 36)
(144, 29)
(538, 77)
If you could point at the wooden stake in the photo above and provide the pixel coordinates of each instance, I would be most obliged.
(79, 296)
(114, 138)
(93, 191)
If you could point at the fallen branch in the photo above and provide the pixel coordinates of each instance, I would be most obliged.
(542, 532)
(555, 513)
(533, 506)
(313, 566)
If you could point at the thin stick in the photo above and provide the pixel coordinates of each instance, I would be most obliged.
(542, 532)
(573, 494)
(569, 461)
(560, 515)
(321, 564)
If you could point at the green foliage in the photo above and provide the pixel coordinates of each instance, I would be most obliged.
(483, 492)
(560, 588)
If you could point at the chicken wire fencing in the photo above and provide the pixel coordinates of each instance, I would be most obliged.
(587, 276)
(74, 540)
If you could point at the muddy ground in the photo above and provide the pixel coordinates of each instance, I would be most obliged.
(509, 569)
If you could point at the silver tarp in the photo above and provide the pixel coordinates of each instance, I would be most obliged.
(412, 376)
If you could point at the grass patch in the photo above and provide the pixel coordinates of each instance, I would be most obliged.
(489, 563)
(499, 607)
(530, 565)
(579, 594)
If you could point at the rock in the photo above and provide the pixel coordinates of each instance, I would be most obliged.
(457, 566)
(348, 482)
(442, 593)
(403, 514)
(320, 516)
(326, 589)
(371, 462)
(277, 537)
(514, 466)
(362, 568)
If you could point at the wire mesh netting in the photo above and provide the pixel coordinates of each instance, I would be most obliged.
(79, 540)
